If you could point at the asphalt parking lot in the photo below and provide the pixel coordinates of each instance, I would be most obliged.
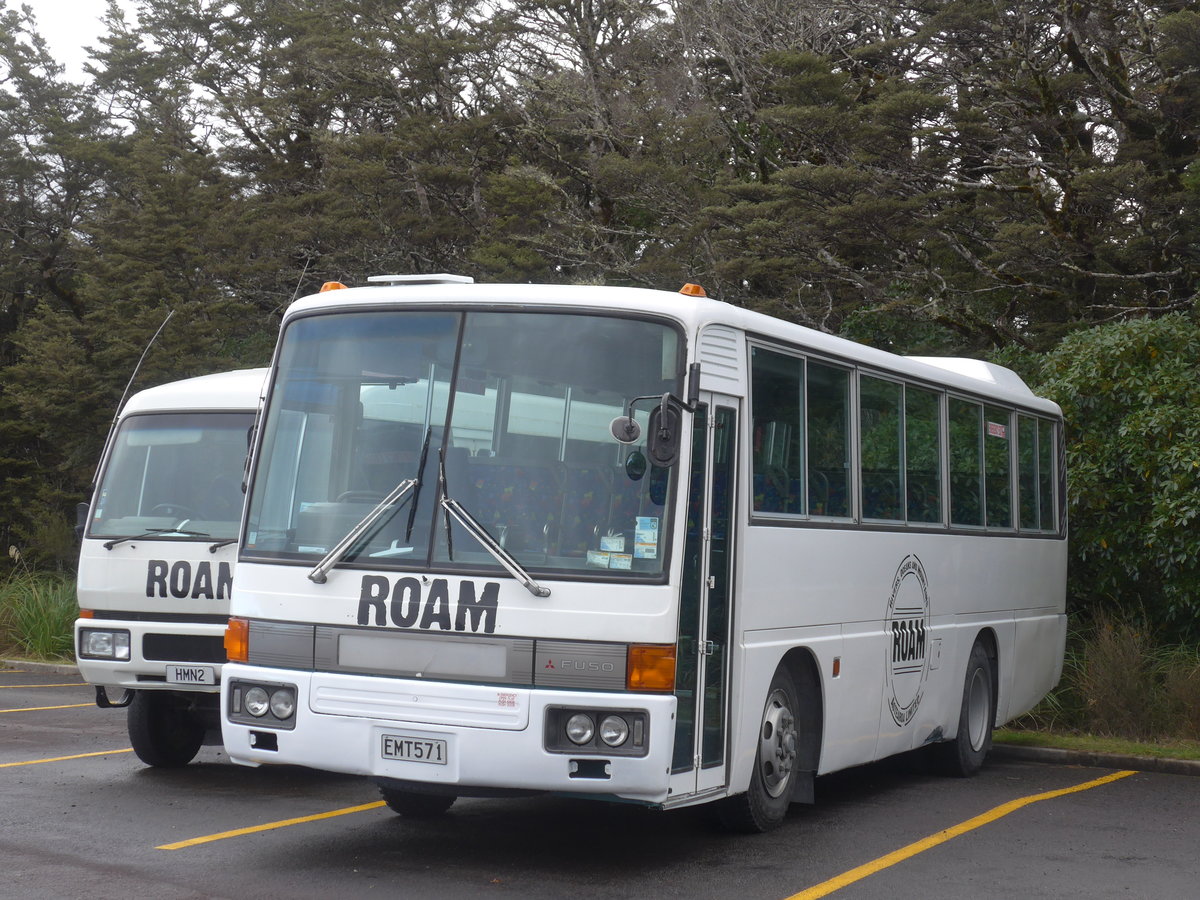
(82, 817)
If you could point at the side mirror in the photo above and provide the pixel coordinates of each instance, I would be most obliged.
(635, 466)
(625, 429)
(81, 517)
(662, 441)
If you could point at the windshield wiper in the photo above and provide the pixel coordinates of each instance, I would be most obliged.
(475, 528)
(320, 572)
(412, 510)
(219, 544)
(108, 545)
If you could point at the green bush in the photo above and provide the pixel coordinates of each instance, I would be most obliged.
(1118, 681)
(1130, 393)
(37, 614)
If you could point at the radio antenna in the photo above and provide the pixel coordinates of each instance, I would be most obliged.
(138, 367)
(125, 396)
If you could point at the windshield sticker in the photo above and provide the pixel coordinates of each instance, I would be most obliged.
(645, 538)
(598, 558)
(613, 542)
(407, 605)
(180, 579)
(620, 561)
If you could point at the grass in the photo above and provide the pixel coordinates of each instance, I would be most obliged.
(37, 615)
(1088, 743)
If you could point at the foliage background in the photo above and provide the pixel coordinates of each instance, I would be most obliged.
(1014, 179)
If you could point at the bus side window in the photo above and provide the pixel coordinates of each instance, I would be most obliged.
(828, 422)
(966, 462)
(1035, 466)
(922, 455)
(997, 445)
(778, 450)
(880, 426)
(1047, 453)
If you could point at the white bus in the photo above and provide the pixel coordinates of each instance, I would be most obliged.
(634, 545)
(157, 558)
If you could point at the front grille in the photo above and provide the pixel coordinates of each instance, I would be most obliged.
(184, 648)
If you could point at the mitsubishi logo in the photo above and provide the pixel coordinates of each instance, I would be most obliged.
(549, 664)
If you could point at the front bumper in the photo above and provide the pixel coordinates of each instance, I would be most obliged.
(494, 735)
(187, 644)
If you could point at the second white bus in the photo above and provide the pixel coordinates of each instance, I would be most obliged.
(634, 545)
(157, 558)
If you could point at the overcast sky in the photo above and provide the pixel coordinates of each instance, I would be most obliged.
(68, 26)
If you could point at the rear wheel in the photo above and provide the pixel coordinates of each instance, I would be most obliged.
(413, 805)
(964, 755)
(164, 731)
(765, 804)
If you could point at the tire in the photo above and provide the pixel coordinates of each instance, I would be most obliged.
(414, 805)
(764, 806)
(963, 756)
(163, 730)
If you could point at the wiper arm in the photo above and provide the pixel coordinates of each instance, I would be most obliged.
(108, 545)
(219, 544)
(320, 572)
(477, 531)
(490, 544)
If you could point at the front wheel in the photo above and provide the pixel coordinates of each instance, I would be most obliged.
(164, 732)
(963, 756)
(413, 805)
(764, 806)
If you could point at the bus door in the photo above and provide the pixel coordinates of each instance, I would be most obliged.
(702, 683)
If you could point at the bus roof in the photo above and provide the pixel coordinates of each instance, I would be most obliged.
(239, 389)
(694, 313)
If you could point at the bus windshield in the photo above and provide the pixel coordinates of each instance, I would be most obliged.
(174, 475)
(506, 414)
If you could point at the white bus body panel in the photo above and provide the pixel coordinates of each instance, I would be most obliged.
(847, 576)
(573, 611)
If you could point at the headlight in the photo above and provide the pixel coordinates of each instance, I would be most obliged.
(614, 731)
(283, 704)
(257, 702)
(580, 728)
(94, 644)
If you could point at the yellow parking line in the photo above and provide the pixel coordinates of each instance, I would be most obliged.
(847, 878)
(40, 708)
(68, 684)
(238, 832)
(34, 762)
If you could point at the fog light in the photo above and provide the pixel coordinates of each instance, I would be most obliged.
(257, 702)
(614, 731)
(580, 728)
(104, 644)
(283, 703)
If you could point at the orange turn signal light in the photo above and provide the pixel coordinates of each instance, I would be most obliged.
(693, 290)
(331, 286)
(237, 640)
(87, 614)
(650, 667)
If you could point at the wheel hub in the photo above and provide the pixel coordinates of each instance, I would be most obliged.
(778, 744)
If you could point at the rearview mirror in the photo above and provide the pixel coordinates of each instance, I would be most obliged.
(662, 440)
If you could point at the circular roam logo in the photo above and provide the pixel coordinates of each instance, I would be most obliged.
(906, 627)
